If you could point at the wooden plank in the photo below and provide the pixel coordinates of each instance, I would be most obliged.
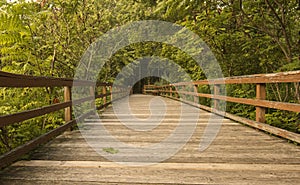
(111, 93)
(16, 153)
(63, 182)
(255, 102)
(152, 175)
(225, 144)
(261, 126)
(102, 96)
(25, 115)
(92, 93)
(106, 104)
(168, 166)
(16, 80)
(265, 127)
(261, 95)
(104, 92)
(216, 93)
(103, 84)
(283, 77)
(67, 98)
(79, 147)
(216, 157)
(238, 155)
(215, 151)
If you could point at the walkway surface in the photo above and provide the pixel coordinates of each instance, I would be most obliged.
(238, 155)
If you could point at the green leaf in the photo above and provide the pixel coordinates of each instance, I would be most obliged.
(110, 150)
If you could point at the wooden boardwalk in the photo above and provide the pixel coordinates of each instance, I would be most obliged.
(238, 155)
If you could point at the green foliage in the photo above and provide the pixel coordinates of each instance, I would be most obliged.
(241, 91)
(205, 89)
(14, 100)
(111, 150)
(284, 119)
(247, 37)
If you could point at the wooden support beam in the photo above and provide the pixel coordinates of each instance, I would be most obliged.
(196, 98)
(176, 92)
(67, 97)
(260, 95)
(92, 93)
(294, 107)
(111, 93)
(216, 93)
(104, 97)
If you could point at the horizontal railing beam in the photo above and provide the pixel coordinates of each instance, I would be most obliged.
(254, 102)
(261, 126)
(20, 81)
(25, 115)
(260, 102)
(283, 77)
(16, 153)
(14, 80)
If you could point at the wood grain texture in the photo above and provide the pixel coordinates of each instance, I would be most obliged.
(16, 153)
(282, 77)
(261, 126)
(238, 155)
(25, 115)
(294, 107)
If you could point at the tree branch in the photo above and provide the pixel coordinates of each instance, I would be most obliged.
(284, 31)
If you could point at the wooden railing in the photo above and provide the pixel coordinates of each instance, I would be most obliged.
(21, 81)
(175, 90)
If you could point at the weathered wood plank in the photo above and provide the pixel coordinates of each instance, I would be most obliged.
(155, 175)
(25, 115)
(261, 95)
(183, 166)
(16, 80)
(67, 98)
(238, 155)
(261, 126)
(294, 107)
(282, 77)
(14, 154)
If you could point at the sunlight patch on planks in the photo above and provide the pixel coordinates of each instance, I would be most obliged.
(191, 166)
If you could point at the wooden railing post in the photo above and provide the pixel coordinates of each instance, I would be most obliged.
(92, 93)
(68, 110)
(176, 93)
(196, 98)
(111, 94)
(216, 92)
(261, 95)
(170, 91)
(104, 92)
(159, 89)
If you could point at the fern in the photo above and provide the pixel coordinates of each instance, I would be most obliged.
(11, 22)
(9, 38)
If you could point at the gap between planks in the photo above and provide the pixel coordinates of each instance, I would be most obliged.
(190, 166)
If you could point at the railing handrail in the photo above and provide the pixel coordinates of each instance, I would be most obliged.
(20, 81)
(259, 102)
(281, 77)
